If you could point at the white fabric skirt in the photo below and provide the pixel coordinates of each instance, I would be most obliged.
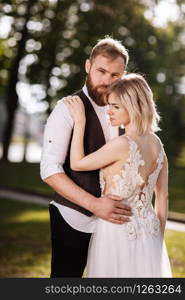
(112, 255)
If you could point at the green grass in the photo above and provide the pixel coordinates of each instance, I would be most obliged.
(177, 184)
(25, 242)
(175, 242)
(177, 189)
(27, 176)
(23, 175)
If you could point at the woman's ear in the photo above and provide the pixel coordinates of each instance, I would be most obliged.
(87, 65)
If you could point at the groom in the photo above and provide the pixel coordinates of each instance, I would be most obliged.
(81, 190)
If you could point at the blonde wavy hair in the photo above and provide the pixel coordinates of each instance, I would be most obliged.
(137, 97)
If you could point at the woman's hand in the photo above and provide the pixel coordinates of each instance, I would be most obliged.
(76, 108)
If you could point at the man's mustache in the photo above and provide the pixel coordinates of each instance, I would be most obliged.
(102, 86)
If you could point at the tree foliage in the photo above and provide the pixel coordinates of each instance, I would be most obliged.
(57, 37)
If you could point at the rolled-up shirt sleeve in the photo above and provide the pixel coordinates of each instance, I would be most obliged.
(56, 139)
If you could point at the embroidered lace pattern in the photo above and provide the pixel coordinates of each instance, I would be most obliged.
(130, 185)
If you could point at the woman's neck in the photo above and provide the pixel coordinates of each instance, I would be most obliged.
(131, 131)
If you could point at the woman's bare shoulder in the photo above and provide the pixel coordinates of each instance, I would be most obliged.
(155, 143)
(154, 139)
(120, 143)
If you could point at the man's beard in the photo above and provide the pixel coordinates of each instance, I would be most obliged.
(97, 97)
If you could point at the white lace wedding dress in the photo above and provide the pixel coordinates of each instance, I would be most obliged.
(134, 249)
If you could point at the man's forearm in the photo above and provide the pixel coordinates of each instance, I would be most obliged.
(106, 207)
(65, 187)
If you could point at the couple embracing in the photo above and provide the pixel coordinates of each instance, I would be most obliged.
(102, 216)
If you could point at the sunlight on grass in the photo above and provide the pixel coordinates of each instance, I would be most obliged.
(29, 216)
(25, 250)
(175, 242)
(25, 240)
(26, 265)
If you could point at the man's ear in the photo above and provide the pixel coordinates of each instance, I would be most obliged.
(87, 65)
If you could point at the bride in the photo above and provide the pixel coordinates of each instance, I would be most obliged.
(133, 166)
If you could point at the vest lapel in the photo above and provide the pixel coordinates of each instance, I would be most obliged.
(93, 125)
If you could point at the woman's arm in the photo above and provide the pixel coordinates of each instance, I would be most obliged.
(161, 196)
(109, 153)
(106, 155)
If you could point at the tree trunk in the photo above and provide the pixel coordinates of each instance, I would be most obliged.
(12, 97)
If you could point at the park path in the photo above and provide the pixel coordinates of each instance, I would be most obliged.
(41, 200)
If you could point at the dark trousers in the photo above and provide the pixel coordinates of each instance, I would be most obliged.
(69, 247)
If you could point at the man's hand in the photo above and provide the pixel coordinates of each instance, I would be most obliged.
(112, 209)
(109, 207)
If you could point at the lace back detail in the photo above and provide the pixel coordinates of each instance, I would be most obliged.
(130, 185)
(129, 178)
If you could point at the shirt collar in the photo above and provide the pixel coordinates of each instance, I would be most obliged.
(84, 89)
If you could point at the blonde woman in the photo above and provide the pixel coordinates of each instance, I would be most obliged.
(132, 166)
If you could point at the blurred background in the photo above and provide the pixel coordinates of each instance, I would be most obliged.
(43, 48)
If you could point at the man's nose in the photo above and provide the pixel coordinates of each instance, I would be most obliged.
(107, 80)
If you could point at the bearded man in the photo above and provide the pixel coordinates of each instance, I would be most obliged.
(80, 191)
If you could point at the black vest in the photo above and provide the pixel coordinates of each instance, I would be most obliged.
(93, 140)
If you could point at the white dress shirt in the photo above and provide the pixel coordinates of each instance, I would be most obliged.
(56, 140)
